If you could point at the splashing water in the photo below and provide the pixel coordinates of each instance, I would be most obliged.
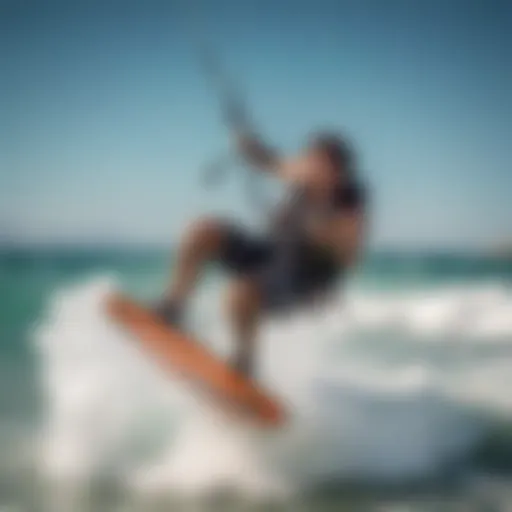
(360, 410)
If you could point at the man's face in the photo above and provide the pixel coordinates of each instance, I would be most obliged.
(322, 169)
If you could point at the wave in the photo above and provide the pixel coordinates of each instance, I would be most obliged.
(372, 398)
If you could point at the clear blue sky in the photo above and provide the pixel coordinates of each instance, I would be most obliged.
(106, 117)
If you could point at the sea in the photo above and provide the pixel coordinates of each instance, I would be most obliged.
(399, 392)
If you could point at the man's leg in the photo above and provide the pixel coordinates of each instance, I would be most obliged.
(244, 308)
(208, 240)
(201, 243)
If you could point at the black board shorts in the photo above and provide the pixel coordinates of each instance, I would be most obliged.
(284, 280)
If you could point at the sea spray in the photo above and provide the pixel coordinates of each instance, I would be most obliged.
(110, 409)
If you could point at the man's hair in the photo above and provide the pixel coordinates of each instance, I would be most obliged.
(338, 149)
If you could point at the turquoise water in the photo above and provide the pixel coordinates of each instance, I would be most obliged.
(417, 355)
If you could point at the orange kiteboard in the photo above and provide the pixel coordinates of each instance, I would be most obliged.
(183, 355)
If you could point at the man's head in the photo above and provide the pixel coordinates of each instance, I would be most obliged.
(332, 158)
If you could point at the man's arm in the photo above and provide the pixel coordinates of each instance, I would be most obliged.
(262, 156)
(257, 153)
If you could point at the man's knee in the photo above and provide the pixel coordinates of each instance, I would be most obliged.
(206, 232)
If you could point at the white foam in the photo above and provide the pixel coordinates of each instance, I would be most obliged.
(471, 310)
(109, 408)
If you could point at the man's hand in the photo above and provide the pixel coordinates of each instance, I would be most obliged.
(293, 170)
(255, 151)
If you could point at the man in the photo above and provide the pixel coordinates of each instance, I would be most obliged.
(316, 236)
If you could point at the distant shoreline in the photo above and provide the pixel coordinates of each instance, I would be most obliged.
(14, 249)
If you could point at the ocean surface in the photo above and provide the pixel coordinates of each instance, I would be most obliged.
(400, 393)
